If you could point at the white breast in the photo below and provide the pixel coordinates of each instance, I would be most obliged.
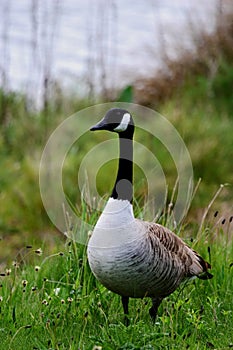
(114, 241)
(114, 227)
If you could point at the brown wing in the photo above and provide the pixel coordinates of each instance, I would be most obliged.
(189, 260)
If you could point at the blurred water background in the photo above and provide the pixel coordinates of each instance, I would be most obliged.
(92, 46)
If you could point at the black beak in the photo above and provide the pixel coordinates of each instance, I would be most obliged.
(101, 125)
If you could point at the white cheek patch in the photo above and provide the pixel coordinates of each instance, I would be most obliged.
(124, 123)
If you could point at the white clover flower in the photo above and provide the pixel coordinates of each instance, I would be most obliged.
(15, 264)
(57, 291)
(38, 251)
(24, 283)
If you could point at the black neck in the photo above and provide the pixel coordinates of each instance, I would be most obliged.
(123, 188)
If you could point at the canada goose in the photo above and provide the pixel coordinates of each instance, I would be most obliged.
(132, 257)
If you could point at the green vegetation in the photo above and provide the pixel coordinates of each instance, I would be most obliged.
(207, 134)
(54, 302)
(194, 93)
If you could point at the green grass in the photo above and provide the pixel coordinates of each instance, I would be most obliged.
(54, 302)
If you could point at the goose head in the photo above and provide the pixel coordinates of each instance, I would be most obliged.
(116, 120)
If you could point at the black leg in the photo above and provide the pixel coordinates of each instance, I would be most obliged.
(154, 309)
(125, 303)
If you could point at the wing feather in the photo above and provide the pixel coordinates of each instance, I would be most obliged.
(188, 259)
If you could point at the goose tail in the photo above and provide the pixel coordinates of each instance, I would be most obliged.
(205, 275)
(200, 267)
